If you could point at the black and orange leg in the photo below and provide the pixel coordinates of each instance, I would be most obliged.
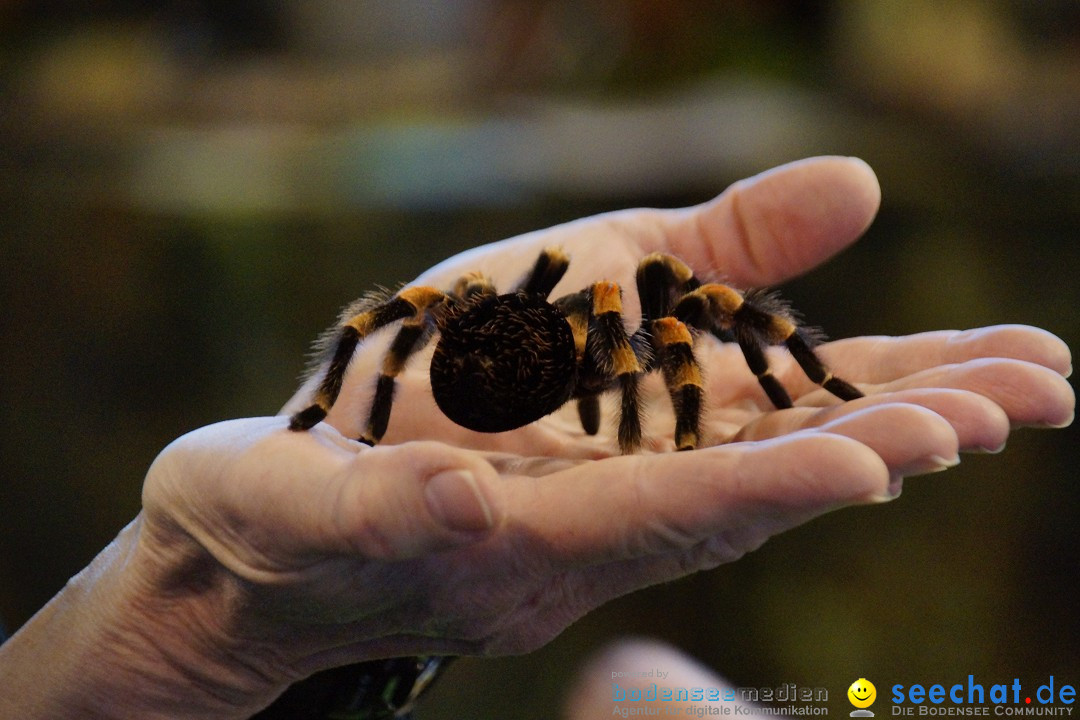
(801, 349)
(472, 285)
(414, 335)
(753, 349)
(661, 280)
(546, 272)
(359, 321)
(675, 357)
(758, 320)
(588, 409)
(613, 351)
(767, 317)
(578, 310)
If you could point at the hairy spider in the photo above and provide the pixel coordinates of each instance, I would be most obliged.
(505, 360)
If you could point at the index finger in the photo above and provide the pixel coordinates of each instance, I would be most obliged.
(632, 507)
(780, 223)
(880, 359)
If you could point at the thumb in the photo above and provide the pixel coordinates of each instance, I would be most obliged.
(402, 501)
(779, 223)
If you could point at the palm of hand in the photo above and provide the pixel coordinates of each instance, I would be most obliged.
(610, 247)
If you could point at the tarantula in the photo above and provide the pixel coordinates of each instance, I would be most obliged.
(505, 360)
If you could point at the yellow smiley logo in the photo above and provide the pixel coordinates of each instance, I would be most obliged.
(862, 693)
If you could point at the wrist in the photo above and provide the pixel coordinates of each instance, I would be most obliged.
(133, 636)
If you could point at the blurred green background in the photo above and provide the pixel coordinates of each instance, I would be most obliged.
(190, 190)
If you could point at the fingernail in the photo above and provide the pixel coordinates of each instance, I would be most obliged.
(932, 464)
(455, 499)
(1063, 423)
(936, 463)
(896, 486)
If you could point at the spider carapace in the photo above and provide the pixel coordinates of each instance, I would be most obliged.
(505, 360)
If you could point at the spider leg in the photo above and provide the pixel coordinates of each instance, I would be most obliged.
(578, 310)
(660, 278)
(472, 285)
(753, 349)
(613, 351)
(682, 377)
(414, 335)
(588, 409)
(759, 319)
(548, 269)
(358, 321)
(800, 346)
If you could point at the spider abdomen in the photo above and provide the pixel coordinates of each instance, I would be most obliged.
(503, 362)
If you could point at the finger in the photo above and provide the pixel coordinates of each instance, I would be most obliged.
(882, 359)
(979, 423)
(254, 494)
(1031, 395)
(654, 504)
(910, 439)
(403, 501)
(666, 516)
(778, 224)
(759, 231)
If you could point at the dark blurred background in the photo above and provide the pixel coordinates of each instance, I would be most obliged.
(190, 190)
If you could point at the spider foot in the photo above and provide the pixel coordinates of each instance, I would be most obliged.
(307, 418)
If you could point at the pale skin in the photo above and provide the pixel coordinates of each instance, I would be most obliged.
(262, 555)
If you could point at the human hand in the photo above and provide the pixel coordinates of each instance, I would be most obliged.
(536, 552)
(263, 555)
